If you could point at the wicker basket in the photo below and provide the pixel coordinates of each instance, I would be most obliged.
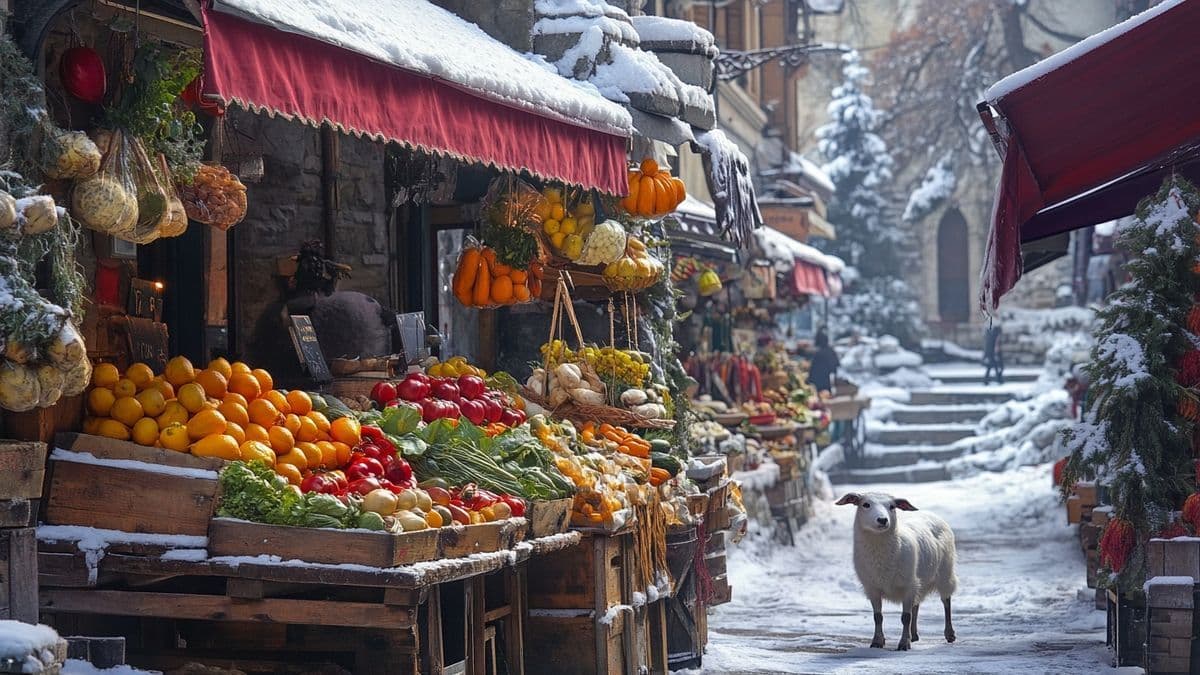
(580, 413)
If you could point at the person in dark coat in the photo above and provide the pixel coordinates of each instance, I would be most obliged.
(824, 364)
(993, 357)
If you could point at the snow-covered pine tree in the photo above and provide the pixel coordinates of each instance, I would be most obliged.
(1133, 437)
(861, 170)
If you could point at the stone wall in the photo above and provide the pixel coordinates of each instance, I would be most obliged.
(509, 21)
(1173, 569)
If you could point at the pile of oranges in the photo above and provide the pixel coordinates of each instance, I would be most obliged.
(227, 410)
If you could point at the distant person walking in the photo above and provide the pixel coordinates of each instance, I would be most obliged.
(993, 356)
(824, 364)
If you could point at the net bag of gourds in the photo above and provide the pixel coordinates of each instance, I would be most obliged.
(504, 268)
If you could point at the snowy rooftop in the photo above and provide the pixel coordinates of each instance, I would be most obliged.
(663, 29)
(801, 165)
(418, 36)
(780, 247)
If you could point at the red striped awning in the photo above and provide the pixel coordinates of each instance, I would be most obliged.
(262, 68)
(809, 279)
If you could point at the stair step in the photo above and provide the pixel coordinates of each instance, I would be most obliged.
(952, 397)
(913, 473)
(920, 434)
(889, 456)
(941, 414)
(977, 378)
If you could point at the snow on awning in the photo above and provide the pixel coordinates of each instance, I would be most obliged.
(411, 72)
(798, 260)
(1090, 131)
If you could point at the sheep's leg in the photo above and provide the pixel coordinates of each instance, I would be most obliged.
(949, 626)
(878, 641)
(913, 623)
(906, 620)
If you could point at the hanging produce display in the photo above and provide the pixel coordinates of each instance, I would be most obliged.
(215, 197)
(504, 269)
(568, 219)
(636, 270)
(653, 192)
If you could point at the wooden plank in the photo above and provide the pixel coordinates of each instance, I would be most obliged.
(22, 469)
(129, 500)
(63, 570)
(566, 579)
(657, 612)
(716, 564)
(245, 589)
(224, 608)
(514, 627)
(111, 448)
(40, 424)
(629, 640)
(18, 575)
(474, 604)
(16, 512)
(600, 579)
(460, 541)
(431, 651)
(227, 537)
(548, 517)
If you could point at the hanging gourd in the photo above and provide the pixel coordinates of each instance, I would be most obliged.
(653, 192)
(82, 72)
(709, 283)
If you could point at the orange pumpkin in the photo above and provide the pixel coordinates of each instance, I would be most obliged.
(653, 191)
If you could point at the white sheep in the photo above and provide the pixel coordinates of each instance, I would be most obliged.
(901, 561)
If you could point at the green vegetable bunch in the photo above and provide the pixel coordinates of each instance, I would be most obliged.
(252, 491)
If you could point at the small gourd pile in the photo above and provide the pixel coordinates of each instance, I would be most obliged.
(635, 271)
(481, 280)
(567, 223)
(653, 192)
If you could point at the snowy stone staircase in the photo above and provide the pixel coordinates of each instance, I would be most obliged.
(937, 424)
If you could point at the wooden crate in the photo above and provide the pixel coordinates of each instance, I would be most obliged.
(129, 499)
(22, 469)
(575, 644)
(110, 448)
(18, 575)
(41, 424)
(548, 517)
(582, 577)
(460, 541)
(1127, 629)
(229, 537)
(722, 592)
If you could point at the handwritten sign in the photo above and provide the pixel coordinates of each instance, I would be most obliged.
(308, 348)
(148, 342)
(145, 299)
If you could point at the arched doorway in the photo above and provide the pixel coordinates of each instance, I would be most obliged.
(954, 269)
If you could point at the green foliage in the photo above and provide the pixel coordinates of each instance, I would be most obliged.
(1132, 437)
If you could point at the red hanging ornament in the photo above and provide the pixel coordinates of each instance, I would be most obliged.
(1172, 530)
(1188, 373)
(1116, 544)
(1188, 408)
(1191, 511)
(1193, 319)
(82, 72)
(1060, 468)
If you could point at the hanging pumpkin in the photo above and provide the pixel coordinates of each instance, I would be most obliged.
(1116, 544)
(82, 72)
(653, 191)
(1191, 511)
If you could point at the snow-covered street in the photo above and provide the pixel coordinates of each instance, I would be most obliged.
(1022, 606)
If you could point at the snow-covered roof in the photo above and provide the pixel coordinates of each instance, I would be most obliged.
(784, 250)
(798, 164)
(690, 206)
(1045, 66)
(418, 36)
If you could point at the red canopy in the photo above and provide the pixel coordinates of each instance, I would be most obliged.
(1090, 131)
(809, 279)
(299, 77)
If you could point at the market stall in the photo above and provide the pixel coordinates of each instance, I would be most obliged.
(1130, 480)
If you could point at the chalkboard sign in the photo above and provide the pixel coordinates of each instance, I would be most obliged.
(304, 339)
(148, 342)
(145, 299)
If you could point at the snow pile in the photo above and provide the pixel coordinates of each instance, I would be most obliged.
(663, 29)
(937, 186)
(951, 349)
(420, 37)
(868, 357)
(1018, 433)
(31, 648)
(784, 251)
(77, 667)
(1037, 330)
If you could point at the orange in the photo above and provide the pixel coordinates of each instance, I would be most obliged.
(308, 430)
(91, 425)
(346, 430)
(222, 366)
(145, 431)
(112, 429)
(164, 388)
(295, 457)
(290, 472)
(234, 429)
(152, 402)
(264, 413)
(320, 420)
(278, 400)
(179, 372)
(191, 396)
(174, 437)
(217, 445)
(231, 397)
(125, 387)
(206, 423)
(213, 382)
(282, 440)
(329, 454)
(100, 401)
(300, 402)
(141, 375)
(172, 413)
(343, 453)
(127, 411)
(253, 450)
(105, 375)
(264, 379)
(234, 412)
(245, 384)
(292, 422)
(311, 453)
(255, 432)
(239, 367)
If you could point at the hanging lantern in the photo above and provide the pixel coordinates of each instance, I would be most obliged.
(1116, 544)
(82, 73)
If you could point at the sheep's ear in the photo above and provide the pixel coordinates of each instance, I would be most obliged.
(850, 498)
(903, 505)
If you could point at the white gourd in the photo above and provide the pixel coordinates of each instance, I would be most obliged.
(19, 387)
(8, 211)
(587, 396)
(569, 375)
(39, 214)
(103, 204)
